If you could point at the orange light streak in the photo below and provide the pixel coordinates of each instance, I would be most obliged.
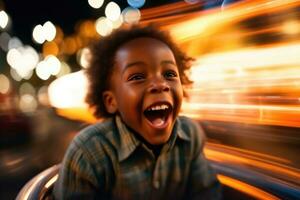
(79, 113)
(270, 167)
(245, 188)
(168, 9)
(250, 154)
(235, 80)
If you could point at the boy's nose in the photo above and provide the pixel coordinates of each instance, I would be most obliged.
(158, 86)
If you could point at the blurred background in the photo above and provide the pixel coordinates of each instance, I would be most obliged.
(245, 91)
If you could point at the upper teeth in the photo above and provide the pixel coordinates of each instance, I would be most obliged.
(159, 107)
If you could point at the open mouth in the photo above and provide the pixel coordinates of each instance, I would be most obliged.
(157, 114)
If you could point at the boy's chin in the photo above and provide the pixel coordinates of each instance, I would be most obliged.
(159, 134)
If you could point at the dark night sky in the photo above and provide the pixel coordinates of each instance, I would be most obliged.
(25, 14)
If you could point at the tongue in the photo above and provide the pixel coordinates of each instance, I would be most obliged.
(158, 121)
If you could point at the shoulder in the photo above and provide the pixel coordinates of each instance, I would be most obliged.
(94, 139)
(100, 129)
(191, 127)
(193, 130)
(91, 154)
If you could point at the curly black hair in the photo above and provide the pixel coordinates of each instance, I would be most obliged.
(103, 55)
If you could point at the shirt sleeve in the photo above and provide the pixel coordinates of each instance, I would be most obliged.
(77, 179)
(203, 183)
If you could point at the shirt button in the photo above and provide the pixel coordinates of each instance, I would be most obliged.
(156, 184)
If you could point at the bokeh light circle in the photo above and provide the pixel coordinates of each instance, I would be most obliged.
(131, 15)
(136, 3)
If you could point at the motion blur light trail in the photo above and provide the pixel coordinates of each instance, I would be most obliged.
(269, 164)
(264, 164)
(161, 13)
(246, 188)
(257, 85)
(236, 79)
(244, 71)
(247, 65)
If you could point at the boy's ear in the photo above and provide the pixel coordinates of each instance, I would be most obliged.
(110, 102)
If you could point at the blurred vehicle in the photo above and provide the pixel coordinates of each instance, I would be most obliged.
(29, 143)
(15, 126)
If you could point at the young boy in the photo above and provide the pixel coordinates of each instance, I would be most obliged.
(143, 150)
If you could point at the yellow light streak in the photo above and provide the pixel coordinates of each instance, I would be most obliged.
(235, 80)
(197, 106)
(77, 113)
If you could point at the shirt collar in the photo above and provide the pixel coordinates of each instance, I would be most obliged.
(178, 128)
(128, 141)
(176, 133)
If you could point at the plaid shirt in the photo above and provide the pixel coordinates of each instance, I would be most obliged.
(107, 161)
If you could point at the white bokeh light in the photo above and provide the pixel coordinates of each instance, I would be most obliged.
(42, 33)
(27, 75)
(4, 19)
(38, 34)
(84, 56)
(68, 91)
(112, 11)
(53, 64)
(96, 3)
(65, 69)
(23, 60)
(42, 70)
(49, 31)
(131, 15)
(103, 26)
(12, 58)
(117, 23)
(28, 103)
(15, 75)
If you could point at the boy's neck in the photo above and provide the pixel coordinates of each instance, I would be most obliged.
(156, 149)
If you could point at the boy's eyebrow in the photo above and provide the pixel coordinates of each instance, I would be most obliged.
(168, 62)
(140, 63)
(132, 65)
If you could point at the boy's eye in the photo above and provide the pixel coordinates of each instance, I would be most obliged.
(170, 74)
(136, 77)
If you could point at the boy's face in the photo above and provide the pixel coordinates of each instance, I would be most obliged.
(146, 89)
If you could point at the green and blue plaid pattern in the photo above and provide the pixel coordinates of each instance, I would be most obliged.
(107, 161)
